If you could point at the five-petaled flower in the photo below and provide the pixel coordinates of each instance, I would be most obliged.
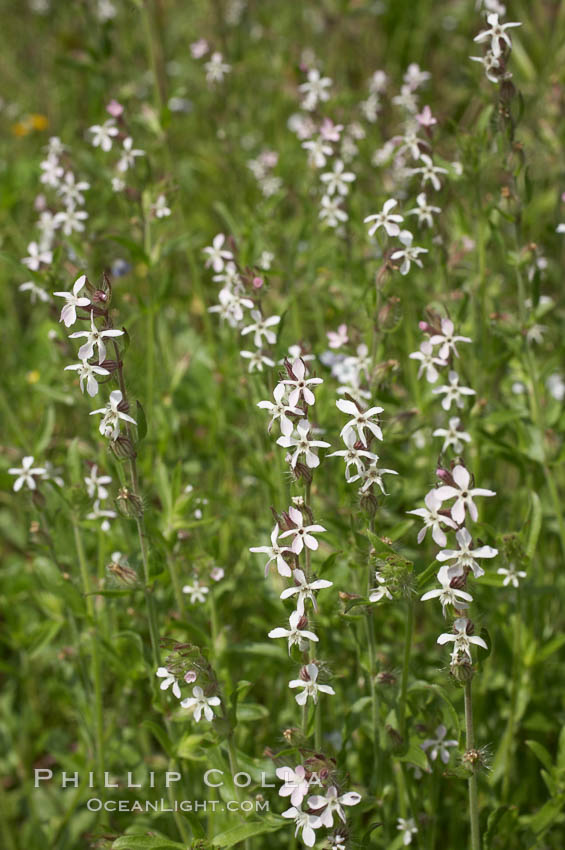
(197, 592)
(462, 493)
(302, 534)
(333, 802)
(386, 219)
(25, 474)
(452, 392)
(439, 745)
(447, 594)
(217, 254)
(94, 338)
(295, 783)
(87, 373)
(433, 519)
(310, 685)
(409, 253)
(446, 339)
(296, 634)
(275, 553)
(168, 679)
(302, 445)
(361, 420)
(496, 33)
(200, 703)
(464, 557)
(111, 416)
(461, 640)
(305, 589)
(428, 361)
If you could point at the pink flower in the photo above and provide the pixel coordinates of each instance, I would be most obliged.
(329, 131)
(115, 109)
(199, 48)
(425, 118)
(337, 338)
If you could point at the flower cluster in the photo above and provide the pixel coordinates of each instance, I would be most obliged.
(186, 665)
(215, 67)
(498, 47)
(114, 131)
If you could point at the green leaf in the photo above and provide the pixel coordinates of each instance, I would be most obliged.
(415, 755)
(141, 422)
(233, 836)
(535, 526)
(547, 815)
(492, 823)
(540, 751)
(146, 842)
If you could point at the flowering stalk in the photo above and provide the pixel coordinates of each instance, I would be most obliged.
(473, 764)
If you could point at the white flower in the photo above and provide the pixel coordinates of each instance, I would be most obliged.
(331, 803)
(36, 292)
(231, 306)
(303, 534)
(199, 48)
(296, 352)
(428, 362)
(118, 184)
(439, 745)
(386, 219)
(361, 420)
(129, 155)
(373, 475)
(300, 384)
(257, 360)
(71, 220)
(199, 703)
(94, 338)
(275, 553)
(265, 261)
(446, 594)
(408, 828)
(338, 180)
(453, 436)
(338, 842)
(74, 300)
(496, 33)
(353, 456)
(52, 474)
(87, 372)
(305, 822)
(48, 225)
(461, 640)
(160, 208)
(217, 254)
(337, 338)
(111, 416)
(25, 475)
(511, 575)
(560, 228)
(196, 591)
(424, 211)
(408, 254)
(310, 686)
(318, 151)
(330, 211)
(452, 391)
(305, 590)
(406, 99)
(260, 328)
(414, 77)
(429, 172)
(295, 634)
(382, 592)
(446, 339)
(464, 557)
(279, 410)
(295, 783)
(36, 256)
(433, 519)
(98, 513)
(71, 191)
(492, 65)
(314, 89)
(95, 484)
(52, 171)
(302, 445)
(216, 69)
(168, 679)
(102, 134)
(462, 494)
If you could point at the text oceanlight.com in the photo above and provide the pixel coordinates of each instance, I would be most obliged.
(95, 804)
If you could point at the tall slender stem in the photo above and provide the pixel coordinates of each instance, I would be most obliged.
(473, 791)
(405, 668)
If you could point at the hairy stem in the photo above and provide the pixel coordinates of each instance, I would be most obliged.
(473, 791)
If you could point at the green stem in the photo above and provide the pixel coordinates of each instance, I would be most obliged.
(516, 673)
(405, 668)
(372, 649)
(473, 791)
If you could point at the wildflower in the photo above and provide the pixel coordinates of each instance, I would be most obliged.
(52, 171)
(295, 783)
(429, 172)
(199, 48)
(104, 514)
(168, 679)
(446, 339)
(382, 592)
(304, 589)
(200, 703)
(303, 534)
(408, 827)
(428, 362)
(318, 151)
(314, 89)
(52, 474)
(425, 118)
(453, 436)
(95, 484)
(452, 391)
(305, 822)
(463, 495)
(129, 155)
(197, 592)
(331, 803)
(302, 444)
(275, 553)
(216, 69)
(338, 180)
(408, 254)
(114, 108)
(279, 410)
(338, 338)
(36, 256)
(511, 575)
(36, 292)
(87, 373)
(118, 185)
(373, 475)
(433, 519)
(464, 556)
(257, 360)
(496, 33)
(424, 211)
(492, 65)
(231, 306)
(48, 225)
(309, 685)
(447, 594)
(415, 77)
(385, 219)
(329, 131)
(330, 211)
(296, 634)
(25, 474)
(260, 328)
(94, 338)
(439, 745)
(217, 254)
(71, 191)
(71, 220)
(406, 99)
(217, 573)
(360, 421)
(160, 208)
(560, 228)
(353, 456)
(111, 416)
(300, 384)
(74, 300)
(378, 82)
(461, 640)
(265, 260)
(338, 842)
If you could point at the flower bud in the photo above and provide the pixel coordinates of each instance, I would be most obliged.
(129, 504)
